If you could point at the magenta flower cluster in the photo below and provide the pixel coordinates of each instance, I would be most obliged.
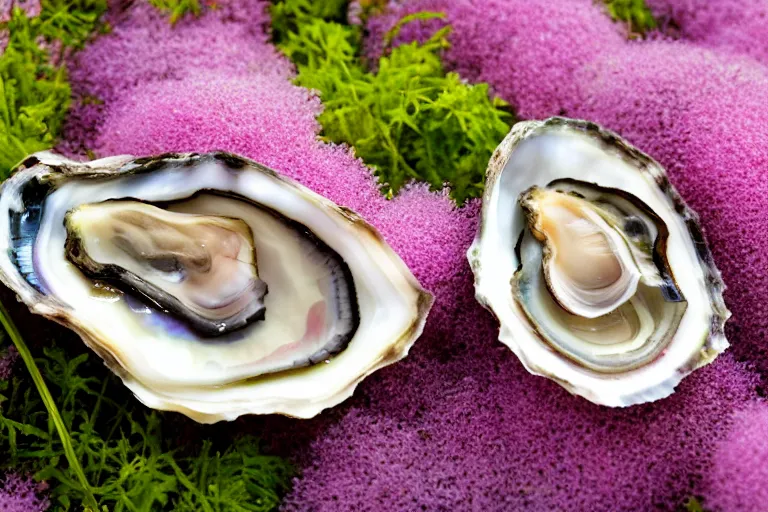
(21, 494)
(460, 424)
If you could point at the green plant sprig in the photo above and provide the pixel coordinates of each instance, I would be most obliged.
(635, 13)
(50, 406)
(410, 119)
(34, 90)
(177, 8)
(118, 456)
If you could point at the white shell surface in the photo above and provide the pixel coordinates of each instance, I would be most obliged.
(205, 382)
(537, 153)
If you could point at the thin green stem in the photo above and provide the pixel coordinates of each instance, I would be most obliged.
(53, 411)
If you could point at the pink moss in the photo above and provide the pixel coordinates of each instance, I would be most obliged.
(529, 52)
(727, 25)
(460, 425)
(21, 494)
(738, 479)
(145, 49)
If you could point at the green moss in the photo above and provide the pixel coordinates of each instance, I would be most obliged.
(71, 22)
(287, 16)
(99, 449)
(177, 9)
(410, 119)
(635, 13)
(34, 91)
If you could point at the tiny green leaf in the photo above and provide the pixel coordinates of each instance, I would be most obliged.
(177, 8)
(693, 505)
(635, 13)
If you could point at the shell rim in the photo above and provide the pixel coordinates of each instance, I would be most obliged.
(715, 341)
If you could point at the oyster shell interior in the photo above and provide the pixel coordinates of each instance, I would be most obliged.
(201, 268)
(211, 285)
(596, 269)
(595, 305)
(587, 264)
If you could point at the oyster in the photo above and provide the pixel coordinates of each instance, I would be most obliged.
(596, 269)
(210, 284)
(201, 268)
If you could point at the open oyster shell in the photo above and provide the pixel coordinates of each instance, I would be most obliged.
(596, 269)
(209, 283)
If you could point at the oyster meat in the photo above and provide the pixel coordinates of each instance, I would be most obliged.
(201, 268)
(596, 269)
(210, 284)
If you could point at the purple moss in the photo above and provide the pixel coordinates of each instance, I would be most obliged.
(22, 494)
(144, 49)
(729, 26)
(8, 360)
(738, 479)
(460, 425)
